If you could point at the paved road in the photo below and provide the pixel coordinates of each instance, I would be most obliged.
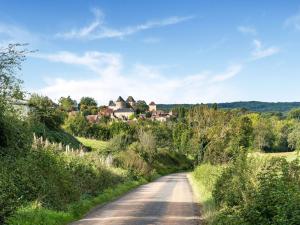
(168, 200)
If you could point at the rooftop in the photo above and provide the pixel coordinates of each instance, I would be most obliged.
(124, 110)
(120, 99)
(130, 99)
(111, 103)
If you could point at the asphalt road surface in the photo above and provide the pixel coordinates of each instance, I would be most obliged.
(168, 200)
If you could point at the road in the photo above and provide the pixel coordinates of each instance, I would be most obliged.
(168, 201)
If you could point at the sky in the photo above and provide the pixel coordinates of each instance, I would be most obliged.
(169, 51)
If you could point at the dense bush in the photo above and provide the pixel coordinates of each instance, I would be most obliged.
(251, 192)
(15, 135)
(54, 179)
(79, 126)
(45, 111)
(119, 143)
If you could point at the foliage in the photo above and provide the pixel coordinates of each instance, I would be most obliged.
(254, 106)
(141, 107)
(11, 58)
(45, 111)
(263, 135)
(252, 192)
(76, 125)
(117, 128)
(67, 104)
(14, 133)
(148, 148)
(294, 138)
(88, 106)
(87, 101)
(119, 143)
(132, 160)
(53, 178)
(57, 136)
(203, 180)
(36, 214)
(294, 114)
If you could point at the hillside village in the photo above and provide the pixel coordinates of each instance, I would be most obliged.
(128, 110)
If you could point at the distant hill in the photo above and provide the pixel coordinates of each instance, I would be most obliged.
(250, 105)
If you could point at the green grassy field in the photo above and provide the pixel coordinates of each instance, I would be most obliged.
(290, 156)
(96, 145)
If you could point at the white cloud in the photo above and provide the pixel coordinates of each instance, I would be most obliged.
(247, 30)
(99, 62)
(228, 74)
(293, 21)
(260, 52)
(141, 81)
(98, 30)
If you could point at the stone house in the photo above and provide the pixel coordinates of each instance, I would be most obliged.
(122, 109)
(152, 107)
(93, 118)
(124, 113)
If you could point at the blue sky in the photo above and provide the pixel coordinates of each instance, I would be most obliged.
(168, 51)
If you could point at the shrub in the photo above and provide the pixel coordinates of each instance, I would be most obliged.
(119, 143)
(54, 179)
(15, 136)
(252, 192)
(121, 127)
(132, 161)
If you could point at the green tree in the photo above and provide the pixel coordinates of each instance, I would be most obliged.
(67, 103)
(294, 138)
(77, 125)
(263, 135)
(14, 133)
(11, 59)
(141, 107)
(148, 145)
(294, 114)
(45, 111)
(88, 106)
(87, 101)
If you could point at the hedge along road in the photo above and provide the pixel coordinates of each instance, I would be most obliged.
(168, 200)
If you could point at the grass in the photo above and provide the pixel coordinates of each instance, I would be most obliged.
(289, 156)
(38, 215)
(96, 145)
(202, 180)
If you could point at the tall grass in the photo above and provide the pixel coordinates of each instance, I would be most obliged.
(203, 179)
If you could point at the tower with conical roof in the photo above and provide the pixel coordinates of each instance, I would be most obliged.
(152, 107)
(120, 103)
(130, 101)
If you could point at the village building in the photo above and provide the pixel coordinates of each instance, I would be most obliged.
(93, 118)
(124, 113)
(106, 111)
(152, 107)
(112, 105)
(122, 109)
(130, 100)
